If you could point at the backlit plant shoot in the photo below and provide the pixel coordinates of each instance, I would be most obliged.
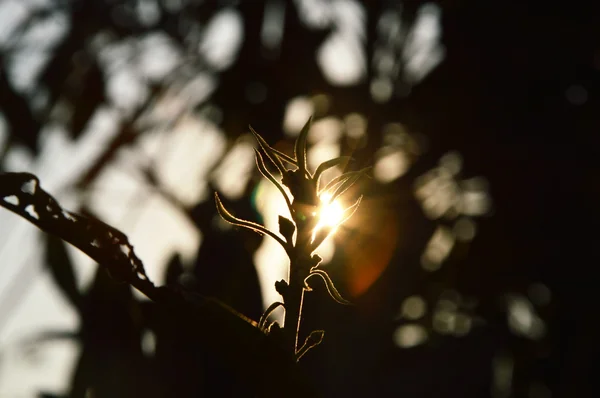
(262, 353)
(315, 214)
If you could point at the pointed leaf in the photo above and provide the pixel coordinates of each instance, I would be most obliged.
(343, 187)
(285, 157)
(276, 156)
(336, 181)
(349, 212)
(300, 148)
(333, 292)
(348, 183)
(273, 154)
(327, 165)
(268, 151)
(227, 216)
(263, 170)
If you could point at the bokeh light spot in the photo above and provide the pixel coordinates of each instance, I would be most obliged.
(408, 336)
(437, 249)
(297, 112)
(222, 39)
(522, 319)
(381, 89)
(390, 165)
(148, 343)
(444, 321)
(356, 125)
(414, 307)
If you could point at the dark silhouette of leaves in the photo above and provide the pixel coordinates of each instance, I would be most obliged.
(226, 333)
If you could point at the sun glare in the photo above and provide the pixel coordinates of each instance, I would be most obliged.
(330, 213)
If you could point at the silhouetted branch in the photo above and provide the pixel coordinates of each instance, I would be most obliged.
(258, 360)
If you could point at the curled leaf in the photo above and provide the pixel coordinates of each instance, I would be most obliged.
(333, 292)
(300, 147)
(314, 339)
(265, 316)
(230, 218)
(327, 165)
(263, 170)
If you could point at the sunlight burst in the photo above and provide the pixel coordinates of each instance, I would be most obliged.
(330, 213)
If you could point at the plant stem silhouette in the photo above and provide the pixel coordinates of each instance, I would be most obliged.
(302, 235)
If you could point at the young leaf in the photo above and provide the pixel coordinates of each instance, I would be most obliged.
(300, 148)
(263, 170)
(333, 292)
(275, 155)
(227, 216)
(285, 157)
(348, 183)
(336, 181)
(327, 165)
(268, 150)
(349, 212)
(314, 339)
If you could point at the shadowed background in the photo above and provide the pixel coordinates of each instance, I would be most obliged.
(469, 261)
